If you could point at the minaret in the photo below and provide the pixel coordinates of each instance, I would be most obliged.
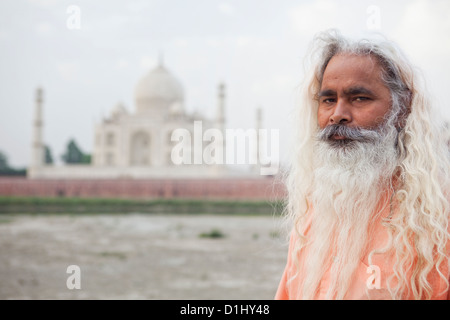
(221, 115)
(221, 107)
(258, 137)
(37, 148)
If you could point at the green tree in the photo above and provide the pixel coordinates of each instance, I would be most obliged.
(3, 161)
(48, 155)
(6, 170)
(86, 158)
(74, 154)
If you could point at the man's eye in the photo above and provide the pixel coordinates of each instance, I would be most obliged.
(362, 98)
(328, 100)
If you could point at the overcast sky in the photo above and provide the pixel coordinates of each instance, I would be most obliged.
(256, 47)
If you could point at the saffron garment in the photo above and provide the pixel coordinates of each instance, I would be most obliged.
(362, 286)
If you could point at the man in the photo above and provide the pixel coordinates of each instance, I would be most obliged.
(368, 184)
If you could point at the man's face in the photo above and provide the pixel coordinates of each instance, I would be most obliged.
(353, 94)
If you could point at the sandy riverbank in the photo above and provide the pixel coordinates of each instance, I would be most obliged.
(140, 256)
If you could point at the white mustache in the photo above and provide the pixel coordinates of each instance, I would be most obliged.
(356, 134)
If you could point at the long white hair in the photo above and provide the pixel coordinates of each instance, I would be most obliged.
(419, 229)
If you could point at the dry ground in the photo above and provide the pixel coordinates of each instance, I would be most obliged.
(139, 256)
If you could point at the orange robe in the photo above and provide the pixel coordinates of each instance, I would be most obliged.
(359, 288)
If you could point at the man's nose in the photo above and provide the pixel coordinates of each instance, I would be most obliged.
(341, 113)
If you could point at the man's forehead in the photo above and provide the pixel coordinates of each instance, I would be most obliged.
(351, 71)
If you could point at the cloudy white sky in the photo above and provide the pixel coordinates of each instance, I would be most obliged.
(256, 47)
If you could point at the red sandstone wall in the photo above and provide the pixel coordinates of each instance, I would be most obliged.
(252, 189)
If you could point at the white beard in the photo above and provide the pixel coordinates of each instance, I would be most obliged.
(349, 181)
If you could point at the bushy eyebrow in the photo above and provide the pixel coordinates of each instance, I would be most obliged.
(349, 92)
(326, 93)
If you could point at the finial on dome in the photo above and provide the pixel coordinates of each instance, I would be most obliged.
(160, 59)
(39, 94)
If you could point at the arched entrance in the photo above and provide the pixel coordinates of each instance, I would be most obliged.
(140, 149)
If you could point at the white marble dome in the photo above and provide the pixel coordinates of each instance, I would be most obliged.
(158, 89)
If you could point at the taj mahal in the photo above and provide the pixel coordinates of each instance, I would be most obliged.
(140, 145)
